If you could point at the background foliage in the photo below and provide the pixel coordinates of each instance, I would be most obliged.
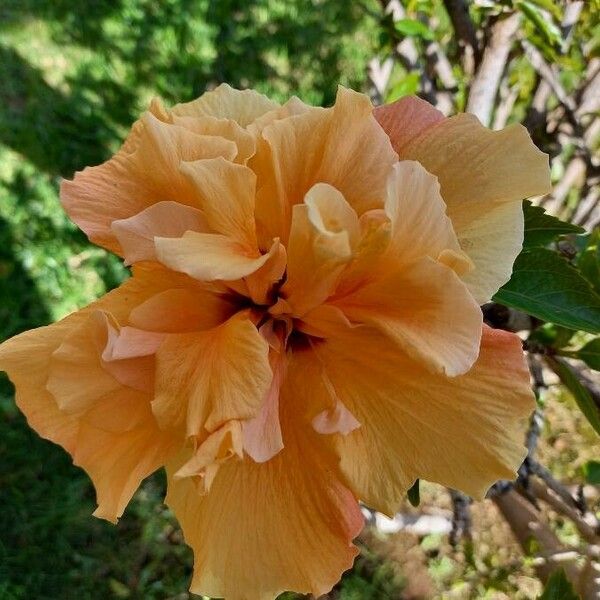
(75, 75)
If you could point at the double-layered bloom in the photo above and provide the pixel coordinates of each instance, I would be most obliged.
(302, 328)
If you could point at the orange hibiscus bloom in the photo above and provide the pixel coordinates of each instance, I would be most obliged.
(301, 330)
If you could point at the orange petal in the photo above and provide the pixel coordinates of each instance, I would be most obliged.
(143, 173)
(320, 246)
(419, 224)
(180, 310)
(225, 102)
(208, 378)
(286, 524)
(116, 440)
(222, 445)
(465, 432)
(225, 128)
(226, 195)
(479, 172)
(163, 219)
(208, 256)
(343, 146)
(426, 310)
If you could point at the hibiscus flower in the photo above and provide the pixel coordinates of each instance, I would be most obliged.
(302, 328)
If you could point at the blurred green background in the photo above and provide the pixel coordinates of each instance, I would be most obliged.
(74, 75)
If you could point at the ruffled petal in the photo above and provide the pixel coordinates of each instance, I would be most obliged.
(323, 231)
(286, 524)
(209, 256)
(225, 102)
(163, 219)
(343, 146)
(144, 172)
(465, 432)
(115, 438)
(479, 172)
(426, 309)
(226, 196)
(419, 224)
(207, 378)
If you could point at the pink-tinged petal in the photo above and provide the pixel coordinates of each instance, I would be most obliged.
(424, 308)
(225, 102)
(406, 119)
(265, 528)
(226, 196)
(208, 256)
(465, 432)
(207, 378)
(262, 433)
(132, 343)
(142, 174)
(163, 219)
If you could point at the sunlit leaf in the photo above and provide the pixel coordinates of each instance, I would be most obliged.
(407, 86)
(413, 28)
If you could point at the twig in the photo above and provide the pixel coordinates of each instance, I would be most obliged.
(461, 517)
(525, 522)
(589, 532)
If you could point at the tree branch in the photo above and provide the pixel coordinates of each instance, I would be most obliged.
(487, 79)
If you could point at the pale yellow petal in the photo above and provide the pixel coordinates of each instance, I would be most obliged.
(479, 171)
(419, 224)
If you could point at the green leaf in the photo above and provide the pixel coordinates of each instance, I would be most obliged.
(589, 354)
(580, 394)
(413, 28)
(407, 86)
(589, 260)
(559, 588)
(591, 472)
(547, 286)
(542, 228)
(414, 494)
(549, 31)
(552, 335)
